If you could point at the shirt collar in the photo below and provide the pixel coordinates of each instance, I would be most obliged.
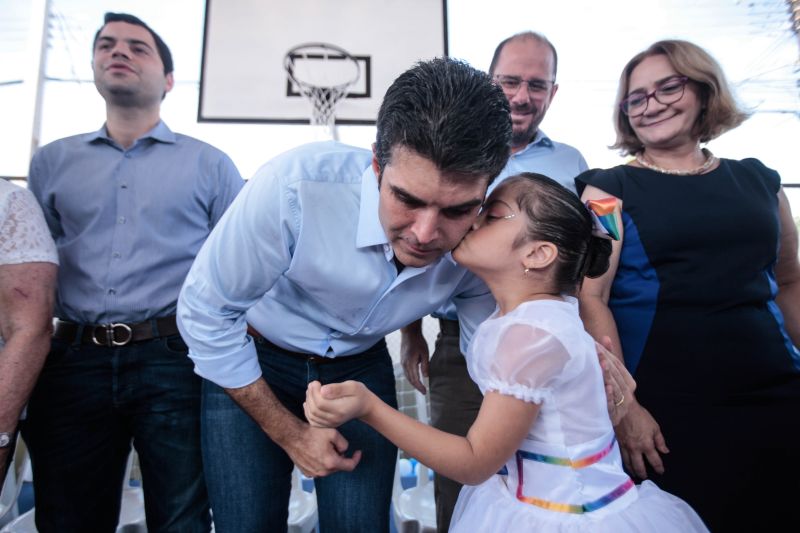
(370, 231)
(160, 133)
(540, 139)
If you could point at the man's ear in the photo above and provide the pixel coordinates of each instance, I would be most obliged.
(376, 167)
(540, 255)
(170, 79)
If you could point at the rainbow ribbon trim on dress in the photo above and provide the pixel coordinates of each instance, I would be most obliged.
(577, 463)
(604, 217)
(574, 508)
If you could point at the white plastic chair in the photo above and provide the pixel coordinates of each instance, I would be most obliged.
(131, 516)
(10, 490)
(302, 507)
(413, 509)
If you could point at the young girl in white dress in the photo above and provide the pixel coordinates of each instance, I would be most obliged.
(541, 455)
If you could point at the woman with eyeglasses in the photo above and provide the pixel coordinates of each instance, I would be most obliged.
(702, 298)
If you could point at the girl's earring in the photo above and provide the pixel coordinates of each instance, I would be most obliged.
(526, 271)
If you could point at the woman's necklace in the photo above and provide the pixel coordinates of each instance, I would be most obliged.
(711, 159)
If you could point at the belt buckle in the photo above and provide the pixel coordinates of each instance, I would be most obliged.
(111, 334)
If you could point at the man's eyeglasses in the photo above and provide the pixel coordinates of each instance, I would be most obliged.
(668, 92)
(511, 84)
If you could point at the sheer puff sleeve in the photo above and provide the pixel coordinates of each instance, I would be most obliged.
(526, 362)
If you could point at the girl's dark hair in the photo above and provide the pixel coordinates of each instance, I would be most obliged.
(556, 215)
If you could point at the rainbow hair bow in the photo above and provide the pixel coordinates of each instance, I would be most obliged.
(604, 218)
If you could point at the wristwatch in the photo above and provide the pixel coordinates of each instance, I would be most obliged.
(5, 439)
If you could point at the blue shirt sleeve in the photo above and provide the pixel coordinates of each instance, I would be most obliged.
(240, 261)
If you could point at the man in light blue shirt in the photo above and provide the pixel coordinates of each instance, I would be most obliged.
(326, 250)
(129, 207)
(525, 66)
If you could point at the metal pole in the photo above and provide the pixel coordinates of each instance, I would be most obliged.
(37, 46)
(794, 18)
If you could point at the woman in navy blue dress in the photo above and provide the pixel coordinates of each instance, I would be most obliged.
(702, 298)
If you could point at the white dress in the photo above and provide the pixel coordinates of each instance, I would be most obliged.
(24, 237)
(567, 475)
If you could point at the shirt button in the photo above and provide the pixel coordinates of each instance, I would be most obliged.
(112, 291)
(121, 220)
(116, 255)
(127, 155)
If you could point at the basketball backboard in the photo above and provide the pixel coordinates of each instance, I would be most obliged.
(243, 78)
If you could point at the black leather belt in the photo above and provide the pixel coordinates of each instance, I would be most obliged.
(449, 327)
(116, 333)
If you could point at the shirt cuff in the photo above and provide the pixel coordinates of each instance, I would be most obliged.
(232, 370)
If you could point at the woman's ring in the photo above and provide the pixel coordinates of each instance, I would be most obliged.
(617, 404)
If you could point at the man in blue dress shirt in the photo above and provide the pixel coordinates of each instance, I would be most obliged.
(525, 66)
(326, 250)
(129, 207)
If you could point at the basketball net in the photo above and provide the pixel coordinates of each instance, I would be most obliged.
(323, 73)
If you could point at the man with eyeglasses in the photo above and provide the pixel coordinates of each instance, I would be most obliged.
(524, 66)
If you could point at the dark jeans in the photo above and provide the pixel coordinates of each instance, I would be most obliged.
(249, 476)
(455, 402)
(89, 404)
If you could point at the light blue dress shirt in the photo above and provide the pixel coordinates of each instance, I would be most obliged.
(128, 223)
(301, 255)
(555, 160)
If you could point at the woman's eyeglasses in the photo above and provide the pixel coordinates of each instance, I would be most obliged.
(668, 92)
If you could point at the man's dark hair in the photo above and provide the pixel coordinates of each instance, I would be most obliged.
(449, 113)
(519, 37)
(161, 46)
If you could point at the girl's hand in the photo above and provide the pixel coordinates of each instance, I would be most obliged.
(334, 404)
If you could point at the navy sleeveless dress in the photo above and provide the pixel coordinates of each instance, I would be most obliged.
(694, 304)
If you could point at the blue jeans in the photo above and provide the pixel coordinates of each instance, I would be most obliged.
(249, 476)
(89, 404)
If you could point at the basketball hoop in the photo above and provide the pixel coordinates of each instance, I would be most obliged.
(323, 73)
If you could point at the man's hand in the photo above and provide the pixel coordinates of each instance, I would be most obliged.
(315, 451)
(318, 452)
(640, 439)
(619, 383)
(414, 354)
